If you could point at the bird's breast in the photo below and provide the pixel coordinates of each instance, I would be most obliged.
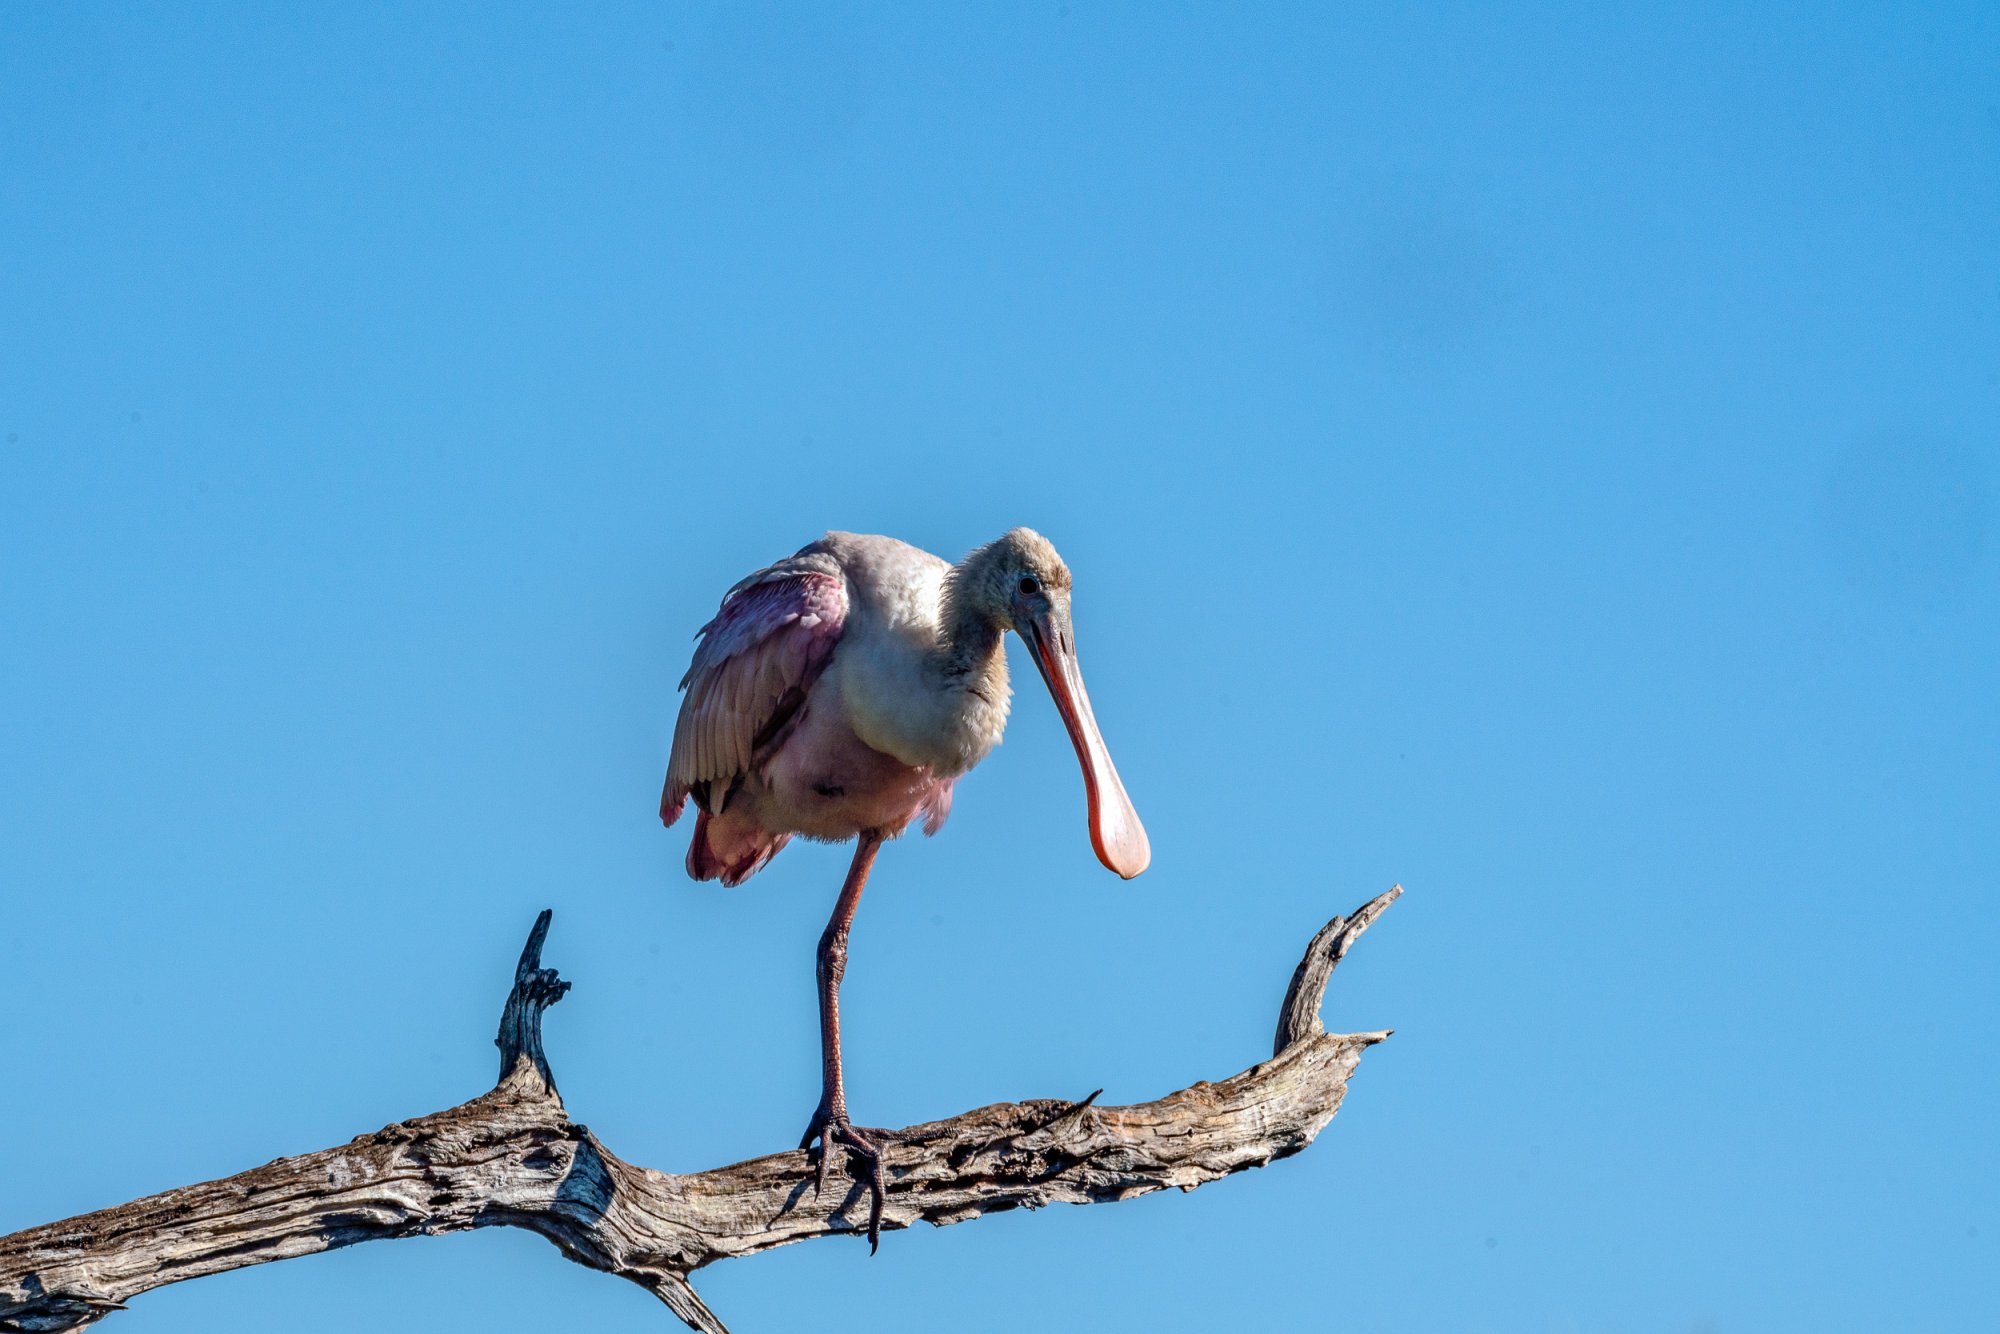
(900, 699)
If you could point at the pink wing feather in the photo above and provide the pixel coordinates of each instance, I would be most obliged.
(756, 662)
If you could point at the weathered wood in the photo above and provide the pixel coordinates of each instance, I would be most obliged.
(1298, 1017)
(514, 1158)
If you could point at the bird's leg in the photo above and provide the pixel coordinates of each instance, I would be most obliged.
(830, 1124)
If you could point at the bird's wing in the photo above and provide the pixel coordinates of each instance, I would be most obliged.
(756, 661)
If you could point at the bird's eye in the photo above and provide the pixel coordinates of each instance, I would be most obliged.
(1029, 585)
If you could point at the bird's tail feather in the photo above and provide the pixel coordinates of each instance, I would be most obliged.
(729, 849)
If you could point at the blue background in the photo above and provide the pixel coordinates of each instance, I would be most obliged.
(1544, 456)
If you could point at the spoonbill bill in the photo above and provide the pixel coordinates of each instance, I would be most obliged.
(839, 694)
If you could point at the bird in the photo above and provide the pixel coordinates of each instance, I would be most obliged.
(840, 694)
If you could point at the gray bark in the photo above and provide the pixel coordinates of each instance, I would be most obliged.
(514, 1158)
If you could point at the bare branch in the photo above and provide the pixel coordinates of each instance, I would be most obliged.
(514, 1158)
(535, 989)
(1298, 1017)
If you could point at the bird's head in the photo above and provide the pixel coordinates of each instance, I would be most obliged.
(1019, 583)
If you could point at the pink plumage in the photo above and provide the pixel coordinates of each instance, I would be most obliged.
(763, 750)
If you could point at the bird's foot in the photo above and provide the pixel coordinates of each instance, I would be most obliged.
(864, 1143)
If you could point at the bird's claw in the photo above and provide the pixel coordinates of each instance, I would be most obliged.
(863, 1143)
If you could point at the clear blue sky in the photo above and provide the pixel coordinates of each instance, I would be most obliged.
(1544, 456)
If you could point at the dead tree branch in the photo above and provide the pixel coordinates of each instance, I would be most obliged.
(514, 1158)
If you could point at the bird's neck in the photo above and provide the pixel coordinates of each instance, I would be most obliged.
(969, 649)
(971, 664)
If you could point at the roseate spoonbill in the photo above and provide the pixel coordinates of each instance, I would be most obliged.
(839, 694)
